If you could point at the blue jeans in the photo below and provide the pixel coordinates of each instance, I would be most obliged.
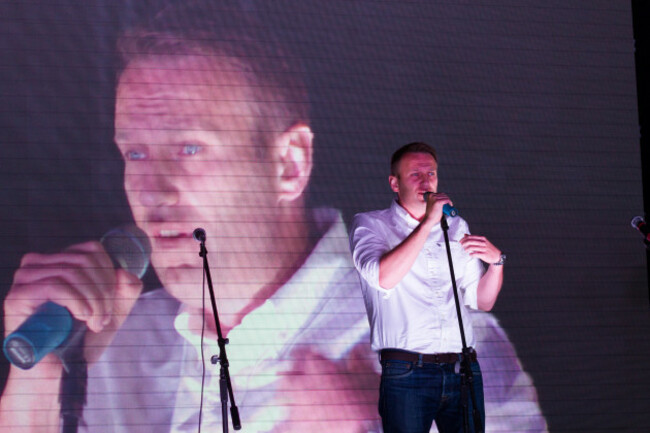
(412, 395)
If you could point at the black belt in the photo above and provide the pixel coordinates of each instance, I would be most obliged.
(434, 358)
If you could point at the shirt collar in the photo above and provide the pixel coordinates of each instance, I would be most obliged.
(401, 215)
(294, 304)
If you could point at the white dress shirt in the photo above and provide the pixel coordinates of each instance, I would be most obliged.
(419, 313)
(300, 362)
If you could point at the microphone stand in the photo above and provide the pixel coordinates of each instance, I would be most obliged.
(225, 386)
(466, 375)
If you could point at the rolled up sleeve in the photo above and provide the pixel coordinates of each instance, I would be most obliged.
(472, 272)
(368, 246)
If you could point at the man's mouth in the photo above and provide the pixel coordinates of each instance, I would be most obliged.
(169, 233)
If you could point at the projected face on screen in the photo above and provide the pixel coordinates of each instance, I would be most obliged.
(198, 154)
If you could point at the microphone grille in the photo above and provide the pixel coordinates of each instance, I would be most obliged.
(199, 234)
(637, 221)
(129, 248)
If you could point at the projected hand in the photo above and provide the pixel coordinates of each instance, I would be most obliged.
(327, 395)
(82, 279)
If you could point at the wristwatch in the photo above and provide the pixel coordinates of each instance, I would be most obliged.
(501, 261)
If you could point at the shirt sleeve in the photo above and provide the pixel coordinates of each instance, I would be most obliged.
(472, 272)
(368, 246)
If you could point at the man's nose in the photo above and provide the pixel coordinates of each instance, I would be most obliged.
(157, 186)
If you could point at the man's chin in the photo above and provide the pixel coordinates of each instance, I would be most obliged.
(182, 282)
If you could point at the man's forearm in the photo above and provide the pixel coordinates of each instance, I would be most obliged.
(489, 287)
(30, 401)
(395, 264)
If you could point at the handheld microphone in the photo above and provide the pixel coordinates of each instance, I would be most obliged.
(640, 224)
(448, 210)
(51, 327)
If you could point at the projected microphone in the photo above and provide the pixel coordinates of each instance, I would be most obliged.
(448, 210)
(51, 327)
(639, 224)
(199, 234)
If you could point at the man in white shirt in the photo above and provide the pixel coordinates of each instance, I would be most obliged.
(401, 256)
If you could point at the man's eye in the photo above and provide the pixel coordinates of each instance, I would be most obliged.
(432, 173)
(135, 155)
(191, 149)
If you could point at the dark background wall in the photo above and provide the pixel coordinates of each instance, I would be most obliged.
(531, 105)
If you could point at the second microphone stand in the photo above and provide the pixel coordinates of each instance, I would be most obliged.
(225, 386)
(467, 377)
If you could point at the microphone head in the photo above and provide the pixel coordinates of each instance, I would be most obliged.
(199, 234)
(637, 222)
(129, 248)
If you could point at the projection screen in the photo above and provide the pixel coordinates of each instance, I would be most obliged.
(270, 130)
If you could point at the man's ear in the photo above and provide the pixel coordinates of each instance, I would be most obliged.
(294, 161)
(394, 183)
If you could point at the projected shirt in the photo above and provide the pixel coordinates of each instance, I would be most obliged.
(291, 359)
